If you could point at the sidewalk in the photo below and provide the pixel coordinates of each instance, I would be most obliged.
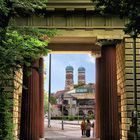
(69, 134)
(71, 131)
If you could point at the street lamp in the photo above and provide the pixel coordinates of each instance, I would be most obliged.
(62, 98)
(135, 112)
(49, 93)
(78, 112)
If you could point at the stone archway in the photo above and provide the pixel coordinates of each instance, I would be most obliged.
(107, 126)
(74, 44)
(102, 63)
(90, 28)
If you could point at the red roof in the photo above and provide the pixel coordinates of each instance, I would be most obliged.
(59, 93)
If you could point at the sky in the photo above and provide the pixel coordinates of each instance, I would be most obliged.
(58, 64)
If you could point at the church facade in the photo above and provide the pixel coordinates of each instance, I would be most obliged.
(77, 99)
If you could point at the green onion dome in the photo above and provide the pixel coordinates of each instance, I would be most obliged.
(69, 68)
(81, 69)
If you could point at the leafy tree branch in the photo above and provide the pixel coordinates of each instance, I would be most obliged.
(123, 8)
(19, 47)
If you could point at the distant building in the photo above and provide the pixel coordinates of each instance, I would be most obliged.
(58, 95)
(69, 83)
(77, 99)
(80, 100)
(81, 75)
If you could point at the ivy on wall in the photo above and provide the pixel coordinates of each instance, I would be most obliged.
(6, 125)
(20, 48)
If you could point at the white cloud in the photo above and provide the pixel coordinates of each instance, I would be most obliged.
(59, 63)
(91, 59)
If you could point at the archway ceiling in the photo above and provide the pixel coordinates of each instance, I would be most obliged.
(74, 45)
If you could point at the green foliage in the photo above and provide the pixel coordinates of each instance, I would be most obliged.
(12, 8)
(6, 126)
(21, 48)
(17, 7)
(3, 7)
(18, 48)
(28, 5)
(91, 116)
(123, 8)
(70, 118)
(45, 103)
(52, 100)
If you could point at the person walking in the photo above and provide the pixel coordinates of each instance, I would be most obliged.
(93, 128)
(83, 127)
(88, 128)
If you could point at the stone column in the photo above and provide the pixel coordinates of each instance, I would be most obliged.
(29, 129)
(98, 97)
(109, 123)
(41, 97)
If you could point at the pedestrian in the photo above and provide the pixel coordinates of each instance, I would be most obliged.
(93, 128)
(83, 127)
(88, 128)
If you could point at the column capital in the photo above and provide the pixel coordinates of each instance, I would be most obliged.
(108, 42)
(96, 54)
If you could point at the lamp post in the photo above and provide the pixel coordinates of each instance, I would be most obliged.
(78, 112)
(49, 93)
(135, 112)
(62, 98)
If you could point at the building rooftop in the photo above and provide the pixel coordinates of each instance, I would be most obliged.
(59, 93)
(81, 69)
(83, 96)
(69, 68)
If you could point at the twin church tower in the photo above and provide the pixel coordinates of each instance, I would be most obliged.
(69, 83)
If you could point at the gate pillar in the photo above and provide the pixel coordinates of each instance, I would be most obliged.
(29, 129)
(98, 97)
(109, 123)
(41, 97)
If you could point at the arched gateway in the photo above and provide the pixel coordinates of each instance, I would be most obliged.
(82, 30)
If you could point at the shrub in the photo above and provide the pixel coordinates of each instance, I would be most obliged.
(6, 125)
(70, 118)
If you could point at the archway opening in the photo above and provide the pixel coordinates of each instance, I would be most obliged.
(74, 97)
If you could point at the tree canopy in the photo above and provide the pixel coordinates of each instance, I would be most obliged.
(10, 8)
(17, 45)
(124, 8)
(19, 48)
(7, 6)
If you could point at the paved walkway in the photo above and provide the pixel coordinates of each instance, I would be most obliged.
(71, 131)
(66, 134)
